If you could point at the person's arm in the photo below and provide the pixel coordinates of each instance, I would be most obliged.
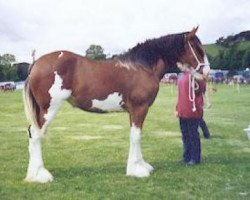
(207, 99)
(203, 75)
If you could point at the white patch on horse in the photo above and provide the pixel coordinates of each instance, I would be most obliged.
(136, 166)
(206, 62)
(60, 55)
(126, 65)
(113, 102)
(58, 95)
(206, 68)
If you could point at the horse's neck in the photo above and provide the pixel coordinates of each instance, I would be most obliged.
(159, 69)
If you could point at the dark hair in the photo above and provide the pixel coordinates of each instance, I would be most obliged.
(146, 54)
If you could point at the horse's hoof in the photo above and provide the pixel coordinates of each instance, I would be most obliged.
(140, 169)
(42, 176)
(148, 166)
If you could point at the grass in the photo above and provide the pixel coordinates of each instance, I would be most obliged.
(87, 153)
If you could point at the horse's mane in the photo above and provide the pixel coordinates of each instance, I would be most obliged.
(146, 54)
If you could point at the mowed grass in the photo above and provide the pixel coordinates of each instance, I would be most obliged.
(87, 153)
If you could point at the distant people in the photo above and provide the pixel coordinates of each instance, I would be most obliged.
(189, 110)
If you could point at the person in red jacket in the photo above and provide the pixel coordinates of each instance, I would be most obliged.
(189, 109)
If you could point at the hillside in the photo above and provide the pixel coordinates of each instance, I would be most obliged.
(213, 49)
(233, 44)
(230, 55)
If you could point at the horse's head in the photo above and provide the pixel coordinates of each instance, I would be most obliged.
(194, 55)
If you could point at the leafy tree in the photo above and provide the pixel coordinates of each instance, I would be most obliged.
(22, 70)
(7, 59)
(246, 59)
(2, 73)
(232, 58)
(217, 62)
(7, 71)
(95, 52)
(11, 74)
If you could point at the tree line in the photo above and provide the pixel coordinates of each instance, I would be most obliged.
(232, 59)
(9, 71)
(232, 56)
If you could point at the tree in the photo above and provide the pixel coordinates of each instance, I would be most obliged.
(2, 73)
(22, 70)
(7, 59)
(95, 52)
(217, 62)
(246, 59)
(7, 71)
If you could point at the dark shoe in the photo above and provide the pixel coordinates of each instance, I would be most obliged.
(206, 136)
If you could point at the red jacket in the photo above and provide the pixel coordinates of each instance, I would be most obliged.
(184, 104)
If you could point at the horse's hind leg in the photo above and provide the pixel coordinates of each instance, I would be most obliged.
(36, 170)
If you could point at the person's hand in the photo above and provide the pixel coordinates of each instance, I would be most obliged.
(176, 114)
(197, 75)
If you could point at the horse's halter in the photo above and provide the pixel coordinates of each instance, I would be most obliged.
(199, 64)
(192, 84)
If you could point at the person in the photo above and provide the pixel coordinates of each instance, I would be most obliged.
(204, 128)
(189, 110)
(204, 70)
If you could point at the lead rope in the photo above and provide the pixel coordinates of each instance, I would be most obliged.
(192, 85)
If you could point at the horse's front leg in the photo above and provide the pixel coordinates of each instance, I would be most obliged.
(136, 165)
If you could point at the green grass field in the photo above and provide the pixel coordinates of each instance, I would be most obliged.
(87, 153)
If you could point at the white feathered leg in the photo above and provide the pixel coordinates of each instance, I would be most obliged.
(136, 166)
(36, 170)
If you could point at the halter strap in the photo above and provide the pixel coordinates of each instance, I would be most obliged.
(192, 84)
(199, 64)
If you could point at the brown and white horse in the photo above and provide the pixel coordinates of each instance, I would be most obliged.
(129, 83)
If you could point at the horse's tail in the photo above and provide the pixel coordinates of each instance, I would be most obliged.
(30, 105)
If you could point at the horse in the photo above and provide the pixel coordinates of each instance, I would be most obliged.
(128, 82)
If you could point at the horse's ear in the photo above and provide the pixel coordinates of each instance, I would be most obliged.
(192, 33)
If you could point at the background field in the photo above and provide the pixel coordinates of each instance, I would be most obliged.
(87, 153)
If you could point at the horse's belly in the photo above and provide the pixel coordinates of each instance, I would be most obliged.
(112, 103)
